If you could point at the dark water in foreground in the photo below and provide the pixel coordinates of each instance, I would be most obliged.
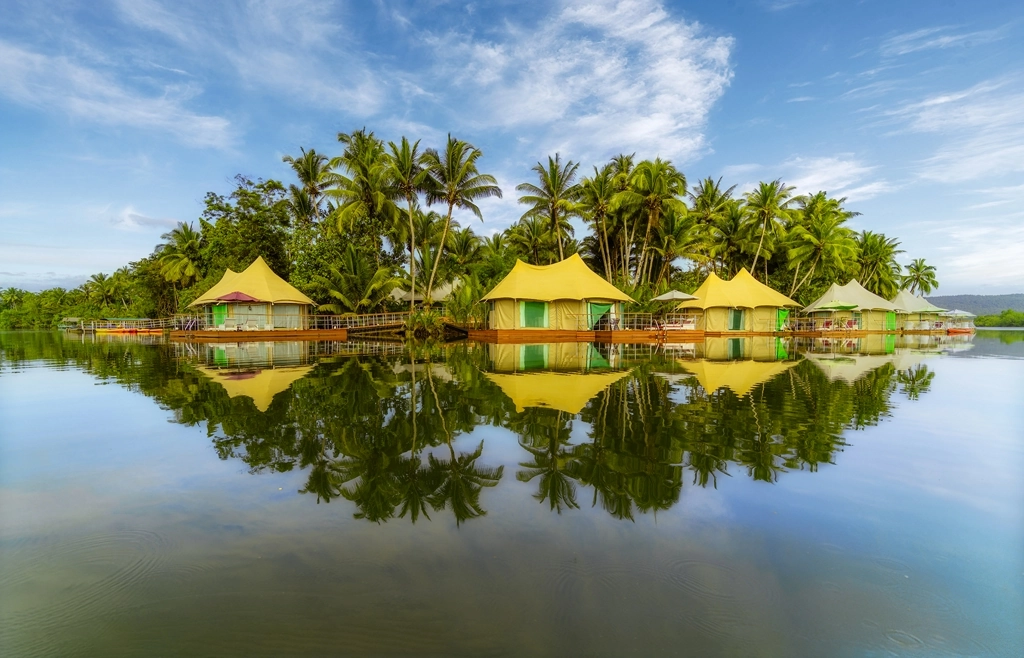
(843, 499)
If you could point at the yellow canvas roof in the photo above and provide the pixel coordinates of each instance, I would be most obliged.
(568, 279)
(849, 367)
(257, 281)
(910, 303)
(259, 385)
(742, 291)
(568, 392)
(740, 376)
(851, 294)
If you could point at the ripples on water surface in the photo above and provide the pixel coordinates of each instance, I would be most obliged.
(745, 498)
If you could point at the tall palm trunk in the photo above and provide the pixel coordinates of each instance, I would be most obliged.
(764, 228)
(437, 260)
(412, 258)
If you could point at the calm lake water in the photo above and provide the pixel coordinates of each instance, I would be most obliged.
(852, 498)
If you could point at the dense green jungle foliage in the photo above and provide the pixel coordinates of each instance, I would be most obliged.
(380, 431)
(381, 216)
(1007, 318)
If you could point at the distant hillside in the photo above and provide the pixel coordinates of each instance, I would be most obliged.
(981, 304)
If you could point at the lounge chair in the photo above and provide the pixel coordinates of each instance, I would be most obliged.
(252, 325)
(230, 324)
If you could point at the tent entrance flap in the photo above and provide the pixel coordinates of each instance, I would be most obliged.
(533, 315)
(890, 321)
(220, 313)
(781, 319)
(735, 319)
(596, 312)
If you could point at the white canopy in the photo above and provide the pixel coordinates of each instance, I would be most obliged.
(909, 303)
(851, 294)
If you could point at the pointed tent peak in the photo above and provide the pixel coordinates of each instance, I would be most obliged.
(742, 291)
(566, 279)
(851, 294)
(911, 303)
(739, 376)
(568, 392)
(256, 283)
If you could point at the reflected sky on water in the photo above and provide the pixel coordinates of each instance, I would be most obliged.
(733, 497)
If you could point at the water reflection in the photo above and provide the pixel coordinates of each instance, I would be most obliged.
(379, 424)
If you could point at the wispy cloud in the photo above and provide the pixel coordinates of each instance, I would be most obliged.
(596, 78)
(801, 99)
(57, 83)
(841, 176)
(935, 38)
(131, 220)
(981, 131)
(297, 50)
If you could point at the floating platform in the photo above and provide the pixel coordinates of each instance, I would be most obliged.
(220, 336)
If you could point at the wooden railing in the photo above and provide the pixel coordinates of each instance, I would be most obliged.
(258, 322)
(638, 322)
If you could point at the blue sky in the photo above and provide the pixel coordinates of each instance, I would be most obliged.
(118, 116)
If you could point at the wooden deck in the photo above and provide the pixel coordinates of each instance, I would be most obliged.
(219, 336)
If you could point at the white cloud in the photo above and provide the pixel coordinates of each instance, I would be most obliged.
(131, 220)
(840, 176)
(935, 38)
(801, 99)
(594, 79)
(57, 83)
(297, 49)
(982, 129)
(983, 249)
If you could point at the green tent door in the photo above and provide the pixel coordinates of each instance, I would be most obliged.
(890, 321)
(220, 314)
(735, 319)
(781, 319)
(596, 312)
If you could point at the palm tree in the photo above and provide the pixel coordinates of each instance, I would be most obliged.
(180, 259)
(654, 188)
(555, 198)
(678, 237)
(100, 289)
(456, 182)
(315, 175)
(367, 194)
(820, 238)
(531, 237)
(920, 277)
(596, 199)
(464, 249)
(766, 206)
(355, 286)
(729, 238)
(876, 261)
(409, 178)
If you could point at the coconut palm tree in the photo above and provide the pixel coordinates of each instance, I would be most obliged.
(920, 277)
(367, 194)
(456, 182)
(680, 236)
(100, 289)
(654, 188)
(409, 178)
(597, 195)
(532, 238)
(878, 270)
(180, 255)
(355, 285)
(766, 205)
(820, 239)
(315, 175)
(464, 249)
(555, 198)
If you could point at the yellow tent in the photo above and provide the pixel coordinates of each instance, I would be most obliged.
(259, 385)
(740, 376)
(256, 298)
(868, 311)
(567, 295)
(849, 367)
(568, 392)
(257, 283)
(724, 302)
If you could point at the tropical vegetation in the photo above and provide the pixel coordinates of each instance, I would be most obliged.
(350, 229)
